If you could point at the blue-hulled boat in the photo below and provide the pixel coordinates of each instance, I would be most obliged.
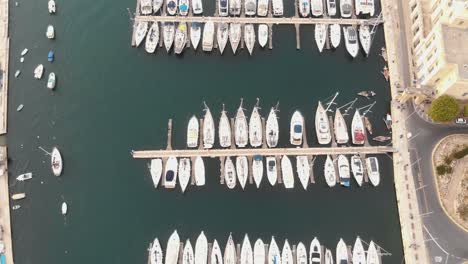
(50, 56)
(2, 259)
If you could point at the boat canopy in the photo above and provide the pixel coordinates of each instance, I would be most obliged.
(271, 164)
(170, 175)
(257, 157)
(297, 128)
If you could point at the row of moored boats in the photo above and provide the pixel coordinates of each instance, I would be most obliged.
(260, 253)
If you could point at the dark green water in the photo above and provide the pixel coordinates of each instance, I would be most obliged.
(112, 98)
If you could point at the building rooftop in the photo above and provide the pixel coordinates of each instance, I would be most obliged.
(455, 41)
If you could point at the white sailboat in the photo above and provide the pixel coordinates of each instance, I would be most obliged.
(329, 172)
(322, 125)
(262, 8)
(222, 36)
(357, 169)
(180, 38)
(235, 36)
(140, 32)
(168, 34)
(216, 255)
(255, 127)
(170, 173)
(341, 252)
(303, 170)
(372, 255)
(346, 8)
(156, 171)
(286, 254)
(272, 173)
(296, 128)
(56, 162)
(208, 129)
(146, 7)
(195, 34)
(224, 130)
(357, 129)
(201, 249)
(199, 171)
(157, 4)
(274, 254)
(277, 7)
(193, 129)
(152, 39)
(208, 36)
(172, 249)
(365, 38)
(242, 169)
(262, 35)
(272, 129)
(229, 173)
(287, 172)
(351, 42)
(304, 8)
(187, 254)
(234, 7)
(250, 7)
(230, 251)
(246, 254)
(372, 165)
(301, 254)
(328, 257)
(343, 170)
(359, 256)
(197, 7)
(241, 129)
(184, 173)
(331, 7)
(317, 7)
(341, 130)
(156, 253)
(257, 169)
(249, 37)
(315, 252)
(320, 35)
(259, 252)
(335, 35)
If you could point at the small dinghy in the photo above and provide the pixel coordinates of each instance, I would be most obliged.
(195, 34)
(184, 173)
(367, 94)
(24, 176)
(320, 35)
(50, 33)
(246, 254)
(230, 251)
(341, 252)
(343, 170)
(230, 174)
(224, 130)
(208, 129)
(335, 35)
(329, 172)
(19, 108)
(180, 38)
(372, 165)
(272, 173)
(24, 52)
(17, 73)
(274, 254)
(155, 252)
(222, 36)
(208, 36)
(172, 249)
(259, 253)
(241, 128)
(64, 208)
(192, 132)
(272, 129)
(287, 172)
(38, 71)
(296, 128)
(16, 207)
(168, 35)
(341, 130)
(351, 42)
(140, 32)
(50, 56)
(365, 38)
(187, 254)
(156, 171)
(152, 40)
(301, 254)
(372, 255)
(249, 37)
(357, 169)
(255, 127)
(56, 162)
(257, 169)
(262, 35)
(242, 169)
(199, 171)
(359, 256)
(18, 196)
(315, 252)
(234, 36)
(51, 6)
(328, 257)
(286, 254)
(201, 249)
(216, 255)
(303, 170)
(381, 138)
(51, 81)
(170, 173)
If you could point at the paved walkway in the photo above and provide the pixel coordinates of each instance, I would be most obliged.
(4, 51)
(5, 206)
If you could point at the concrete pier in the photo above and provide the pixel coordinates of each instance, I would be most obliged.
(169, 135)
(5, 223)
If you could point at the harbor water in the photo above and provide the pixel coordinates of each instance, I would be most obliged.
(111, 98)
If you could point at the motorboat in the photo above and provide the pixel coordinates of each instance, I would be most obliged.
(316, 7)
(50, 56)
(17, 73)
(172, 7)
(262, 8)
(24, 176)
(51, 6)
(242, 169)
(330, 172)
(259, 253)
(64, 208)
(287, 172)
(272, 129)
(230, 173)
(301, 254)
(255, 127)
(303, 170)
(358, 134)
(359, 256)
(184, 173)
(234, 7)
(19, 108)
(56, 162)
(172, 249)
(315, 252)
(262, 35)
(224, 130)
(346, 8)
(50, 33)
(372, 254)
(304, 8)
(197, 7)
(358, 169)
(208, 129)
(286, 254)
(365, 38)
(199, 171)
(223, 8)
(335, 35)
(38, 71)
(257, 169)
(246, 253)
(241, 128)
(328, 257)
(168, 34)
(201, 249)
(272, 173)
(230, 251)
(18, 196)
(277, 7)
(296, 128)
(331, 7)
(372, 166)
(187, 253)
(152, 40)
(341, 129)
(184, 7)
(320, 35)
(367, 94)
(51, 81)
(343, 170)
(368, 125)
(274, 254)
(381, 138)
(364, 7)
(388, 121)
(234, 36)
(322, 125)
(208, 36)
(24, 52)
(249, 37)
(157, 4)
(180, 38)
(155, 252)
(156, 171)
(140, 32)
(222, 36)
(341, 252)
(250, 7)
(351, 42)
(216, 255)
(192, 132)
(195, 34)
(170, 173)
(146, 7)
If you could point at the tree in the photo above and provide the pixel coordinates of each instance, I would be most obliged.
(465, 114)
(443, 109)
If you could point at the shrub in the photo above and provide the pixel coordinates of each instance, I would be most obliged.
(462, 153)
(443, 109)
(463, 211)
(443, 169)
(465, 111)
(447, 160)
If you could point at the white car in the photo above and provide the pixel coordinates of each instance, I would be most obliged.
(460, 121)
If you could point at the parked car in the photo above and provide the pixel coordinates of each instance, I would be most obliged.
(460, 121)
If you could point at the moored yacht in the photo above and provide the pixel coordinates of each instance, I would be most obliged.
(51, 6)
(343, 170)
(234, 7)
(277, 7)
(341, 252)
(172, 7)
(372, 254)
(364, 7)
(187, 253)
(24, 176)
(274, 254)
(170, 173)
(359, 256)
(56, 162)
(365, 38)
(341, 130)
(192, 132)
(262, 35)
(208, 129)
(316, 7)
(208, 36)
(51, 81)
(184, 6)
(322, 125)
(195, 34)
(197, 7)
(335, 35)
(172, 249)
(272, 173)
(224, 130)
(222, 36)
(249, 37)
(156, 254)
(242, 169)
(330, 172)
(199, 171)
(331, 7)
(357, 169)
(230, 251)
(234, 36)
(328, 257)
(287, 172)
(315, 250)
(140, 32)
(372, 165)
(358, 134)
(146, 7)
(156, 171)
(157, 4)
(320, 35)
(255, 127)
(230, 173)
(301, 254)
(180, 38)
(259, 253)
(246, 253)
(303, 170)
(38, 71)
(50, 33)
(223, 7)
(168, 34)
(296, 128)
(250, 7)
(257, 169)
(262, 8)
(152, 40)
(286, 254)
(304, 8)
(241, 128)
(216, 255)
(346, 8)
(201, 249)
(184, 173)
(272, 129)
(351, 41)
